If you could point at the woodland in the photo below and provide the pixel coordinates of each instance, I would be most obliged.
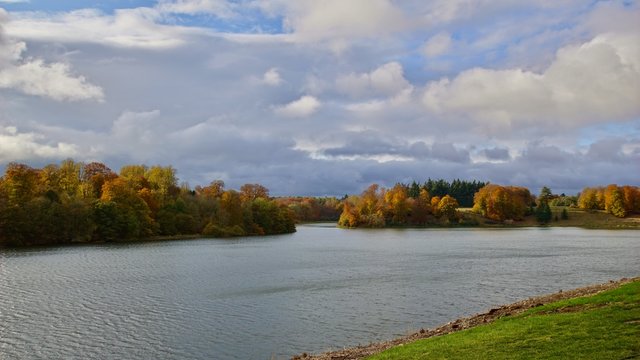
(74, 202)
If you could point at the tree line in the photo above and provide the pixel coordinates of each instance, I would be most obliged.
(312, 209)
(77, 202)
(462, 190)
(616, 200)
(380, 207)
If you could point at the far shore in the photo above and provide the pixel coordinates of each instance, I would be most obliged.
(586, 219)
(581, 219)
(360, 352)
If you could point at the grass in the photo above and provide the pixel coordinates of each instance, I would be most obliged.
(577, 218)
(603, 326)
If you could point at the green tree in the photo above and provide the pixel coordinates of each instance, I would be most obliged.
(545, 194)
(543, 212)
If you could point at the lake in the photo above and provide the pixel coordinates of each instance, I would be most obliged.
(272, 297)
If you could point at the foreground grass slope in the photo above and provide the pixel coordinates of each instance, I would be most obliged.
(603, 326)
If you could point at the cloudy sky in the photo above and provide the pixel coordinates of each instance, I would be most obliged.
(325, 97)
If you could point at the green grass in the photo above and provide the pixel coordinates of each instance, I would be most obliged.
(604, 326)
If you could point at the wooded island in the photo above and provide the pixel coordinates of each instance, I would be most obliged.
(75, 202)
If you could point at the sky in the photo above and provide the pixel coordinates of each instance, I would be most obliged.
(326, 97)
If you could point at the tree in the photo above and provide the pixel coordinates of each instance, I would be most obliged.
(414, 190)
(447, 207)
(349, 216)
(133, 213)
(614, 201)
(631, 195)
(20, 183)
(434, 206)
(502, 202)
(213, 190)
(421, 208)
(250, 192)
(397, 205)
(163, 181)
(94, 175)
(545, 194)
(543, 212)
(135, 175)
(231, 209)
(70, 177)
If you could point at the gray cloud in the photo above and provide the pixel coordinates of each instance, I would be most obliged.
(496, 153)
(303, 118)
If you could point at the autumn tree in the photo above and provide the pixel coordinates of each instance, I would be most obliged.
(397, 205)
(350, 216)
(20, 183)
(614, 201)
(421, 208)
(213, 190)
(502, 202)
(76, 202)
(136, 176)
(131, 214)
(250, 192)
(434, 205)
(163, 180)
(448, 207)
(631, 195)
(94, 175)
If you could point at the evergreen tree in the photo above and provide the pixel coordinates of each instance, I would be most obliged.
(543, 212)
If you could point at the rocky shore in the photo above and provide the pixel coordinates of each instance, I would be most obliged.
(360, 352)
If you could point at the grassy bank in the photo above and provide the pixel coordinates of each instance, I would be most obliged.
(595, 322)
(596, 219)
(603, 326)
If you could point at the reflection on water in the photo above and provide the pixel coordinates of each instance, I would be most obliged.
(254, 298)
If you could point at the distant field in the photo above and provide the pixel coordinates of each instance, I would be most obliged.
(577, 217)
(603, 326)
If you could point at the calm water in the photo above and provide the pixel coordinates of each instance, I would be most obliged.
(258, 298)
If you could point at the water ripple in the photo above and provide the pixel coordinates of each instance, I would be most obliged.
(317, 289)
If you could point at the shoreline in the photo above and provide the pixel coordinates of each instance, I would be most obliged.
(157, 238)
(362, 351)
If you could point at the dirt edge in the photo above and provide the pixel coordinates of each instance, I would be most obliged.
(360, 352)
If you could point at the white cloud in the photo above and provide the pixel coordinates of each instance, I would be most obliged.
(16, 146)
(337, 21)
(303, 107)
(388, 79)
(386, 84)
(376, 105)
(596, 81)
(272, 77)
(438, 44)
(220, 8)
(129, 28)
(35, 77)
(54, 81)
